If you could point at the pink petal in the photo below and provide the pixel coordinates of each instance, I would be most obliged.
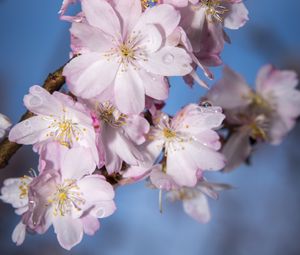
(230, 92)
(129, 85)
(90, 37)
(165, 16)
(96, 189)
(73, 165)
(18, 235)
(40, 101)
(100, 14)
(88, 75)
(156, 86)
(169, 61)
(90, 225)
(129, 13)
(136, 127)
(236, 150)
(30, 131)
(69, 231)
(197, 208)
(237, 16)
(103, 209)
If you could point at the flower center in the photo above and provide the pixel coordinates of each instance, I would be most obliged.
(126, 52)
(258, 101)
(214, 10)
(66, 197)
(25, 180)
(168, 133)
(110, 115)
(65, 131)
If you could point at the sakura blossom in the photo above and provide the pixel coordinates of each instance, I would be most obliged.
(120, 134)
(57, 118)
(66, 195)
(125, 52)
(189, 142)
(194, 199)
(108, 127)
(15, 192)
(267, 113)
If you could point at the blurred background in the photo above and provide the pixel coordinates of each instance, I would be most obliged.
(260, 216)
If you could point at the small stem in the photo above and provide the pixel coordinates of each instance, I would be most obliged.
(54, 82)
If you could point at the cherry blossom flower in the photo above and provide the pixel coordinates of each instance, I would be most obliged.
(119, 135)
(57, 118)
(188, 142)
(126, 53)
(265, 114)
(5, 124)
(15, 192)
(194, 200)
(69, 198)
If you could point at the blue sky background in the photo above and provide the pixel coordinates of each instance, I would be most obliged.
(260, 216)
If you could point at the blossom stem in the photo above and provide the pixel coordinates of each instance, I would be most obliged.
(54, 82)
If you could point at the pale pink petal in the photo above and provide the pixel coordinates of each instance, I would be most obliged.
(77, 163)
(161, 180)
(5, 123)
(69, 231)
(169, 61)
(90, 225)
(30, 131)
(197, 208)
(100, 14)
(193, 21)
(230, 92)
(40, 101)
(136, 127)
(90, 37)
(181, 169)
(165, 16)
(237, 149)
(129, 85)
(237, 16)
(95, 189)
(103, 209)
(90, 74)
(156, 86)
(18, 235)
(129, 13)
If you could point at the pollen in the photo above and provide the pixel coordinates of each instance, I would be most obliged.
(66, 198)
(126, 51)
(168, 133)
(214, 10)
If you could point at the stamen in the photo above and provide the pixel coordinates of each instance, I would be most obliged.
(214, 10)
(66, 198)
(110, 115)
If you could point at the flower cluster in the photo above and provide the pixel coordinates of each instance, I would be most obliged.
(109, 128)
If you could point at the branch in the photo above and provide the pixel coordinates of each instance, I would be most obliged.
(53, 83)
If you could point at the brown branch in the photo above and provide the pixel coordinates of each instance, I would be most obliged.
(53, 83)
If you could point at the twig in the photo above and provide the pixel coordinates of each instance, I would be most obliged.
(53, 83)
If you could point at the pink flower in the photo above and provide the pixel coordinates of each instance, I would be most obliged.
(189, 142)
(69, 197)
(15, 192)
(119, 135)
(5, 124)
(266, 114)
(126, 54)
(194, 199)
(57, 118)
